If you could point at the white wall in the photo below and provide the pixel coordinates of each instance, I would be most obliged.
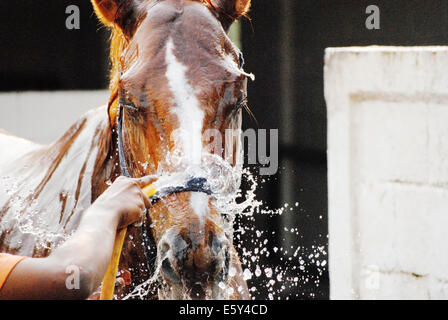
(44, 116)
(388, 172)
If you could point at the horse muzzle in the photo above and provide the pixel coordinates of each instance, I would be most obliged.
(195, 262)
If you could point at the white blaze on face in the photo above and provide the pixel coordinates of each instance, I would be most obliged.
(190, 117)
(186, 107)
(199, 204)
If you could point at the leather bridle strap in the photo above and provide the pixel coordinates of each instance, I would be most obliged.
(121, 155)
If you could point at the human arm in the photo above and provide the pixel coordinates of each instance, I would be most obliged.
(87, 253)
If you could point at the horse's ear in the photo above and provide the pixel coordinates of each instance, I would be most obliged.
(118, 13)
(230, 10)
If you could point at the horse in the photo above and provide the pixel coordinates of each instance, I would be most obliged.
(174, 72)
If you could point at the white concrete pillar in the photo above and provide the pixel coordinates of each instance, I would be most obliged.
(388, 172)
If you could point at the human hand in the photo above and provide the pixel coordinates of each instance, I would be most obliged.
(126, 200)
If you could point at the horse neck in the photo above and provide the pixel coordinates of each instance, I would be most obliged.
(52, 186)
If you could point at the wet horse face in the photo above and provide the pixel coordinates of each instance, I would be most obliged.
(179, 76)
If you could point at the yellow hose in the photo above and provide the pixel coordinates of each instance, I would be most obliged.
(107, 290)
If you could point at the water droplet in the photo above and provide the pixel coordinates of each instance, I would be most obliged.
(268, 272)
(247, 275)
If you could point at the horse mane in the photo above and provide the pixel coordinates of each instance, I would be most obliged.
(118, 44)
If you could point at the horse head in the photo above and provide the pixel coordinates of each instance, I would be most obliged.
(176, 76)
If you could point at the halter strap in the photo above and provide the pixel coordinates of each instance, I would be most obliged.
(121, 156)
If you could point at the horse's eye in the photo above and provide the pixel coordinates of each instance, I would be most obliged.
(126, 102)
(130, 106)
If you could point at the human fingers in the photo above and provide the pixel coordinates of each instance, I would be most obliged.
(146, 200)
(145, 181)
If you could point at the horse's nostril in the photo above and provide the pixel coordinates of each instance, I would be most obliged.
(221, 257)
(169, 272)
(164, 247)
(219, 245)
(166, 266)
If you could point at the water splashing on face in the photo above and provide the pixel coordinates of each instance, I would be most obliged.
(299, 266)
(241, 210)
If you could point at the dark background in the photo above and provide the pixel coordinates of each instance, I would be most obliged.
(284, 46)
